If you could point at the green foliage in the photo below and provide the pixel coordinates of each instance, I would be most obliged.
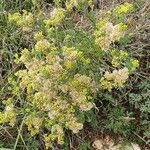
(141, 101)
(119, 122)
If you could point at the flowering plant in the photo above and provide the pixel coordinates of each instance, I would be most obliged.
(59, 77)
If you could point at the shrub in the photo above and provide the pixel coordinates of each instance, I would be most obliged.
(63, 69)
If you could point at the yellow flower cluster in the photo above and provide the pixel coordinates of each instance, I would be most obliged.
(25, 20)
(38, 36)
(116, 79)
(57, 17)
(134, 64)
(56, 133)
(62, 112)
(123, 9)
(8, 115)
(14, 17)
(108, 33)
(78, 91)
(42, 45)
(70, 56)
(120, 57)
(34, 124)
(117, 57)
(53, 88)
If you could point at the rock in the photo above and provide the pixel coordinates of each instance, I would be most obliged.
(108, 144)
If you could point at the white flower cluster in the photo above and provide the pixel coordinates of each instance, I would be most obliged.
(108, 33)
(115, 79)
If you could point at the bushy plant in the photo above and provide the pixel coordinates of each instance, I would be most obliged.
(140, 100)
(64, 67)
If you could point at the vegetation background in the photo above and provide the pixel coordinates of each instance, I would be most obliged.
(133, 101)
